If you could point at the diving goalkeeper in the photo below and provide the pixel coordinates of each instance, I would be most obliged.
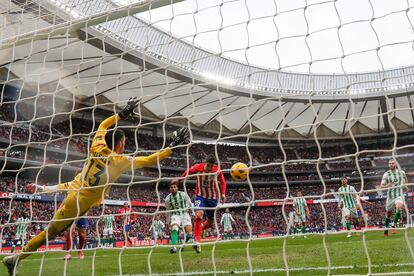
(104, 165)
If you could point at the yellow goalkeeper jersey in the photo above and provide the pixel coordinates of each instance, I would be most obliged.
(104, 166)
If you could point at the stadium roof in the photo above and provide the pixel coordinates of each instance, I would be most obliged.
(178, 82)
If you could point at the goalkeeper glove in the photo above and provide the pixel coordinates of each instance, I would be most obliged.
(181, 136)
(129, 108)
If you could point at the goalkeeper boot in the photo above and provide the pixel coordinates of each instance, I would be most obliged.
(386, 233)
(173, 250)
(394, 231)
(11, 263)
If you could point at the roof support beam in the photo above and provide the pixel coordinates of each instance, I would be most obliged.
(384, 111)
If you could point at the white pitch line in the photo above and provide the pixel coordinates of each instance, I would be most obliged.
(283, 269)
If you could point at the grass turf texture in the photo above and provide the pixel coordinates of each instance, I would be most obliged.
(304, 257)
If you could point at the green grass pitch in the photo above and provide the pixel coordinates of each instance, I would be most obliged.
(303, 257)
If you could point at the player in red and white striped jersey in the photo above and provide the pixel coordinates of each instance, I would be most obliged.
(207, 193)
(128, 218)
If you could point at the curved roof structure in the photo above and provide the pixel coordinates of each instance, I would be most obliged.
(114, 60)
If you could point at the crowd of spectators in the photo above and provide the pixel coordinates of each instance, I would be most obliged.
(68, 141)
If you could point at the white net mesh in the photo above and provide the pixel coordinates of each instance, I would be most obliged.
(271, 84)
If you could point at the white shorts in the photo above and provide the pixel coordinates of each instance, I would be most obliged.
(390, 205)
(108, 231)
(349, 212)
(300, 218)
(181, 220)
(228, 229)
(19, 237)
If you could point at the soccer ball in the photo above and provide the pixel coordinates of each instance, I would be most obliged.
(239, 171)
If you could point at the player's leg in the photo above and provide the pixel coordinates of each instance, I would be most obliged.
(111, 237)
(209, 222)
(303, 229)
(389, 207)
(127, 238)
(82, 225)
(175, 227)
(198, 219)
(188, 228)
(69, 234)
(346, 215)
(14, 243)
(399, 205)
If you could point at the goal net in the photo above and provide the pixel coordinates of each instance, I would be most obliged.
(314, 97)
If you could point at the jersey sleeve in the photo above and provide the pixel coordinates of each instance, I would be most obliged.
(404, 176)
(223, 184)
(384, 179)
(188, 201)
(192, 170)
(98, 143)
(167, 203)
(145, 161)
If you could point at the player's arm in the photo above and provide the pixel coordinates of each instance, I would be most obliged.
(307, 210)
(178, 137)
(35, 188)
(223, 186)
(384, 182)
(231, 218)
(340, 203)
(168, 207)
(405, 187)
(355, 195)
(189, 203)
(153, 159)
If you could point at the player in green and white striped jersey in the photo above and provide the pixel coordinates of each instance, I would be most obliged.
(395, 180)
(226, 221)
(157, 228)
(108, 221)
(348, 199)
(21, 232)
(178, 203)
(301, 210)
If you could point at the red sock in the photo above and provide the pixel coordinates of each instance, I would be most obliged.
(206, 225)
(198, 229)
(69, 239)
(81, 242)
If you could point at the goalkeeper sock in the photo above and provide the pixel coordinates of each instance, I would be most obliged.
(387, 222)
(348, 225)
(174, 237)
(13, 247)
(397, 216)
(303, 229)
(198, 229)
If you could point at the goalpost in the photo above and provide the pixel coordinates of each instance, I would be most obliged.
(270, 85)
